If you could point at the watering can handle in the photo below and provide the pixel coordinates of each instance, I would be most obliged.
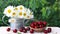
(28, 20)
(4, 21)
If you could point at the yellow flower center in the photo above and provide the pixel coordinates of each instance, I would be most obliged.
(16, 8)
(24, 14)
(21, 8)
(13, 13)
(12, 20)
(9, 11)
(20, 13)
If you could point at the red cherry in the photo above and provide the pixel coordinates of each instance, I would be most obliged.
(15, 31)
(8, 29)
(31, 31)
(38, 27)
(41, 26)
(45, 31)
(44, 23)
(49, 30)
(32, 25)
(40, 23)
(35, 27)
(27, 28)
(24, 30)
(21, 30)
(35, 23)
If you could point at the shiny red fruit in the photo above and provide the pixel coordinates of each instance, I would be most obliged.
(38, 27)
(40, 23)
(21, 30)
(41, 26)
(45, 31)
(45, 23)
(15, 30)
(27, 28)
(32, 25)
(24, 31)
(35, 27)
(35, 23)
(49, 30)
(31, 31)
(8, 29)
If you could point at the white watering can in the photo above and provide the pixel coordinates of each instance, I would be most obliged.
(18, 24)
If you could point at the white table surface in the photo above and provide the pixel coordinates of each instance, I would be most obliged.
(55, 30)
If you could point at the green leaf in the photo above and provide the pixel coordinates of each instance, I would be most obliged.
(19, 33)
(48, 12)
(32, 4)
(43, 11)
(43, 2)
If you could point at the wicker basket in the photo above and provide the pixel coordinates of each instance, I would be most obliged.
(38, 29)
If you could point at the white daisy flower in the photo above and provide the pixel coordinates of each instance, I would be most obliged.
(8, 11)
(14, 14)
(25, 14)
(12, 20)
(31, 16)
(20, 14)
(21, 8)
(25, 9)
(16, 8)
(27, 17)
(28, 11)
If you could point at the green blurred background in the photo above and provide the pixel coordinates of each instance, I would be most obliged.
(45, 10)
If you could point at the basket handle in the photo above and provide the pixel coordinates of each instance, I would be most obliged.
(4, 21)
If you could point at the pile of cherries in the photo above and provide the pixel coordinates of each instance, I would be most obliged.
(48, 30)
(26, 29)
(15, 30)
(39, 24)
(22, 29)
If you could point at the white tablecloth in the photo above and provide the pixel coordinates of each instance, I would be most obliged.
(55, 30)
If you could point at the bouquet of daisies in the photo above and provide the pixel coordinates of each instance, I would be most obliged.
(18, 12)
